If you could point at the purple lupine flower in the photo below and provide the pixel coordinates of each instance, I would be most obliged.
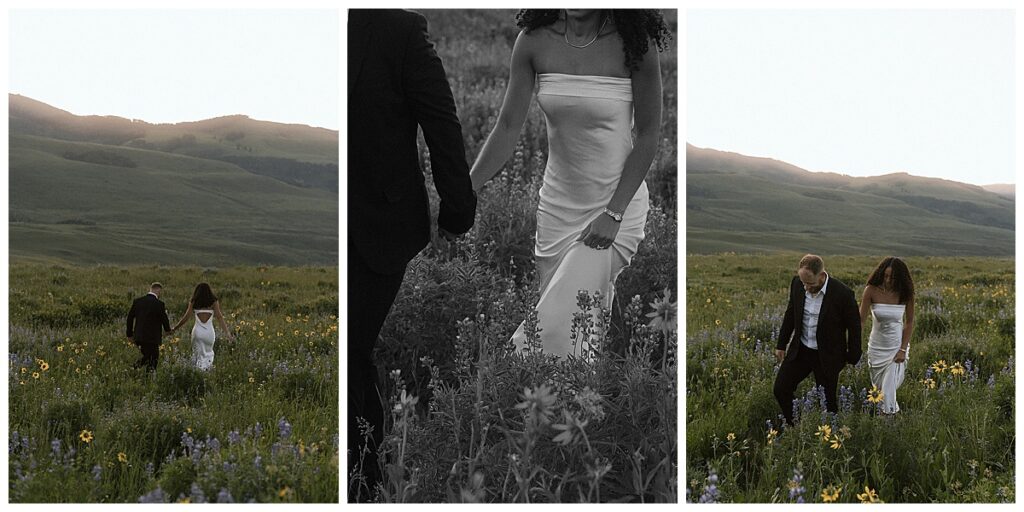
(284, 428)
(710, 493)
(234, 437)
(992, 381)
(150, 469)
(55, 448)
(197, 495)
(796, 487)
(224, 496)
(155, 496)
(257, 430)
(845, 399)
(257, 461)
(97, 472)
(187, 441)
(213, 445)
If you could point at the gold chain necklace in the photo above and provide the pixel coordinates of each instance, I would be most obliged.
(605, 22)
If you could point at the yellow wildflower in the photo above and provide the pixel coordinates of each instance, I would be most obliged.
(85, 436)
(869, 496)
(824, 431)
(957, 369)
(875, 395)
(830, 494)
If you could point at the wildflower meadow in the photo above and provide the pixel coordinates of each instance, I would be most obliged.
(474, 420)
(85, 426)
(952, 441)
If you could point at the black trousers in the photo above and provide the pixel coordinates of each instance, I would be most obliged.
(150, 356)
(370, 296)
(794, 371)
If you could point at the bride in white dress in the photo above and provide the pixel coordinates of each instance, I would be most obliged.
(599, 86)
(889, 295)
(205, 307)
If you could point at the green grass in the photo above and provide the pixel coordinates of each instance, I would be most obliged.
(87, 427)
(953, 442)
(170, 209)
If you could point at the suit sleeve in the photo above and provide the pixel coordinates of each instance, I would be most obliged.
(130, 331)
(786, 331)
(430, 99)
(166, 321)
(851, 317)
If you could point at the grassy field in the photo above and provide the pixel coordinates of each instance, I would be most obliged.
(85, 426)
(471, 420)
(953, 440)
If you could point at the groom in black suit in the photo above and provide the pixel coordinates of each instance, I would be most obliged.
(823, 321)
(145, 319)
(396, 83)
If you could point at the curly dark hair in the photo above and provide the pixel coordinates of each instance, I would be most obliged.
(901, 280)
(203, 296)
(636, 27)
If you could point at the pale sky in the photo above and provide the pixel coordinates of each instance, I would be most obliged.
(166, 66)
(860, 92)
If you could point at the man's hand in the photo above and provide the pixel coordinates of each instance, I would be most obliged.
(780, 355)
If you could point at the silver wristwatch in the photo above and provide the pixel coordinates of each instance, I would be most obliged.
(614, 215)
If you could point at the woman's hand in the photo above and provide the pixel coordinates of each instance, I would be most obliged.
(901, 356)
(600, 233)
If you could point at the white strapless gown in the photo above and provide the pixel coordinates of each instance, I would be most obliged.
(589, 125)
(203, 338)
(884, 342)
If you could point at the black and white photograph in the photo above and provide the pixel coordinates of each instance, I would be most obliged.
(511, 256)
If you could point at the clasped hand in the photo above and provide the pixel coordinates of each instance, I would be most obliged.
(600, 233)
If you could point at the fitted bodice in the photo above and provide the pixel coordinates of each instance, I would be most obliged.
(589, 124)
(887, 321)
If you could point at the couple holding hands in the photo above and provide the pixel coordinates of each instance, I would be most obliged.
(148, 323)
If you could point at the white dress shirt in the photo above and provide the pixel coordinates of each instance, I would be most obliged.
(812, 306)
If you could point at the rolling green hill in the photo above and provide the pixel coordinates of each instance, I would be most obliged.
(746, 204)
(88, 189)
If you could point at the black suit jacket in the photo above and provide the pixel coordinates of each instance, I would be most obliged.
(395, 83)
(838, 331)
(145, 319)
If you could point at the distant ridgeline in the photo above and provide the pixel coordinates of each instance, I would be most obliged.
(747, 204)
(229, 190)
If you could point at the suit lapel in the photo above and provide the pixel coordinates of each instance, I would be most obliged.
(359, 36)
